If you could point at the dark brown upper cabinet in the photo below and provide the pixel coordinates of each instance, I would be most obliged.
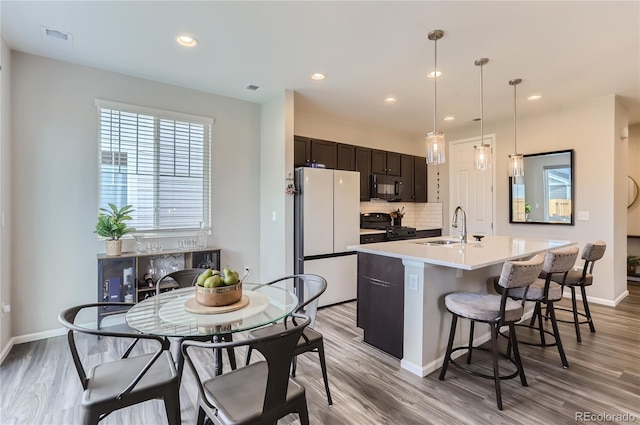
(363, 165)
(301, 151)
(346, 157)
(324, 152)
(419, 179)
(407, 175)
(383, 162)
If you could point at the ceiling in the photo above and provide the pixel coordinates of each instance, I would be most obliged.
(568, 51)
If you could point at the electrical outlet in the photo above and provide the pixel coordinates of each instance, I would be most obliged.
(6, 308)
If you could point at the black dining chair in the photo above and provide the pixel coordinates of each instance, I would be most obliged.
(184, 279)
(130, 380)
(260, 393)
(308, 288)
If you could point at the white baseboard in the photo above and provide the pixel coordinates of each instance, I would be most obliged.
(594, 300)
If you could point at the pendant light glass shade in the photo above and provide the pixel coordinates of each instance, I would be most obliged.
(482, 157)
(435, 139)
(516, 163)
(435, 148)
(481, 152)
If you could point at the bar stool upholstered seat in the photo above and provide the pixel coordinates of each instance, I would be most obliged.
(495, 310)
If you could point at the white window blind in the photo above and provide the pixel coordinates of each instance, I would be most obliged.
(158, 162)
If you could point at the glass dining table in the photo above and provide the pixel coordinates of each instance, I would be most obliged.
(166, 315)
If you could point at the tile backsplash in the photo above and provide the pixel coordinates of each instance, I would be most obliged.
(418, 215)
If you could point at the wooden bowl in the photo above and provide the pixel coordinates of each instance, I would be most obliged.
(220, 296)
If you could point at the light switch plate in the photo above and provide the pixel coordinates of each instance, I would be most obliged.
(583, 215)
(413, 282)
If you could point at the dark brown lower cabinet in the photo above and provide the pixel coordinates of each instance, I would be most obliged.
(380, 311)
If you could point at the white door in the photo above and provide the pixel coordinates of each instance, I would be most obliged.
(346, 209)
(471, 189)
(317, 198)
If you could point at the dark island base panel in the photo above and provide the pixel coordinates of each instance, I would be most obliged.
(380, 310)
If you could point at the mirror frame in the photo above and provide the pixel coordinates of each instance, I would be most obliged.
(632, 188)
(571, 222)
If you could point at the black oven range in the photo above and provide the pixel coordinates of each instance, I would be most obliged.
(382, 221)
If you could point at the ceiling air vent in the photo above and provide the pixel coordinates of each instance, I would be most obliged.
(56, 38)
(252, 87)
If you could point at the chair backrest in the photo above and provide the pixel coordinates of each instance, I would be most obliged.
(184, 278)
(67, 319)
(516, 274)
(560, 260)
(277, 349)
(308, 288)
(591, 253)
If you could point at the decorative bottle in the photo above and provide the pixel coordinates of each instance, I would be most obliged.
(202, 236)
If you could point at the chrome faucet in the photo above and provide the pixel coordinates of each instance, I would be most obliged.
(454, 223)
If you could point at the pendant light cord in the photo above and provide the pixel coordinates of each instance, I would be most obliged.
(481, 105)
(435, 82)
(515, 140)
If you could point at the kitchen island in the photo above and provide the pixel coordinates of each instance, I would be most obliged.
(402, 285)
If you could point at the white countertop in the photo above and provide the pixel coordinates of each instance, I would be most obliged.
(494, 249)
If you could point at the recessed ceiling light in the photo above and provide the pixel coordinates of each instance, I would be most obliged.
(318, 76)
(434, 74)
(534, 96)
(187, 40)
(390, 99)
(449, 118)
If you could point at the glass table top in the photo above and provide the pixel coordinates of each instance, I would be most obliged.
(165, 314)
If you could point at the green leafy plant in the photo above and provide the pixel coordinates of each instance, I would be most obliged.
(633, 261)
(527, 208)
(111, 222)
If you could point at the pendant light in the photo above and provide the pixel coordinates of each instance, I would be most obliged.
(516, 164)
(435, 139)
(482, 152)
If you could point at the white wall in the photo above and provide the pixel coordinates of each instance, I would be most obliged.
(54, 184)
(5, 192)
(276, 162)
(591, 129)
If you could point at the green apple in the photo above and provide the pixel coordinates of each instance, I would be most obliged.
(203, 276)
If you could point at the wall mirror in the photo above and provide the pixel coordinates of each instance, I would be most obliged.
(544, 195)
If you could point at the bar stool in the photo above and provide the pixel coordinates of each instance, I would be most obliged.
(575, 278)
(496, 311)
(546, 291)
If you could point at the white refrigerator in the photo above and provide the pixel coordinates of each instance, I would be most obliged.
(327, 220)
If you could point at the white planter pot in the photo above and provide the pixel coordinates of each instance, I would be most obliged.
(114, 247)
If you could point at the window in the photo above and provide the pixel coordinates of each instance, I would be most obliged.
(158, 162)
(557, 185)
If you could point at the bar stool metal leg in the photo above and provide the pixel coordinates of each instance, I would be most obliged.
(496, 372)
(447, 355)
(470, 342)
(516, 354)
(574, 307)
(556, 334)
(586, 309)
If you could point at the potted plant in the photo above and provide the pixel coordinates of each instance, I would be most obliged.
(527, 210)
(633, 261)
(111, 225)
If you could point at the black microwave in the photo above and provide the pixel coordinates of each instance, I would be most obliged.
(386, 187)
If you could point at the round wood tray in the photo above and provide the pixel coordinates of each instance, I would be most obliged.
(192, 306)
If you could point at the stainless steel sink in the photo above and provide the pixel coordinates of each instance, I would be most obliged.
(439, 242)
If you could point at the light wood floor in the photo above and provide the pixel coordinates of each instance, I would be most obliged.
(40, 386)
